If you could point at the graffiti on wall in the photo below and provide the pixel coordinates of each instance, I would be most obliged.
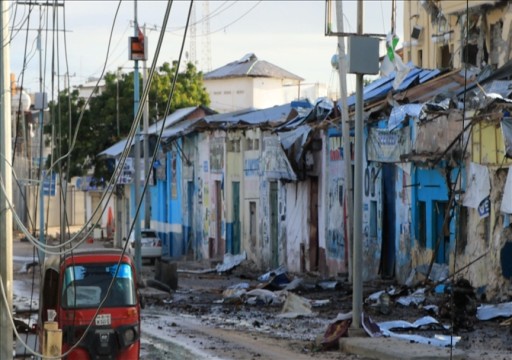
(387, 146)
(251, 167)
(265, 212)
(216, 155)
(335, 241)
(206, 206)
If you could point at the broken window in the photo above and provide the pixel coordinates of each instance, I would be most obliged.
(469, 54)
(444, 57)
(474, 51)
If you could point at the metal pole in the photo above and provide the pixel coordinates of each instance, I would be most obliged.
(42, 240)
(117, 101)
(347, 153)
(357, 288)
(6, 341)
(147, 196)
(119, 187)
(138, 260)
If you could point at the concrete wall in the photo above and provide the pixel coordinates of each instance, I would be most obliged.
(230, 94)
(439, 36)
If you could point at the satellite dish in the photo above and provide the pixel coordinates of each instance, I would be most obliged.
(335, 62)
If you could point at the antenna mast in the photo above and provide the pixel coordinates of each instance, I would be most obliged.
(193, 35)
(207, 48)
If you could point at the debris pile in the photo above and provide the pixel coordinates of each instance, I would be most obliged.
(460, 305)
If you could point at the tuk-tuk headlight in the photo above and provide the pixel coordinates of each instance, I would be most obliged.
(129, 335)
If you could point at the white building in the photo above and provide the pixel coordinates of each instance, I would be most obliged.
(253, 83)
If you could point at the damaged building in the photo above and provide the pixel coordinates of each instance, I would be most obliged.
(449, 34)
(271, 183)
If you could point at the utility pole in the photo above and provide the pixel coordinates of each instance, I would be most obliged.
(147, 196)
(357, 286)
(6, 341)
(119, 187)
(364, 59)
(42, 239)
(138, 259)
(345, 132)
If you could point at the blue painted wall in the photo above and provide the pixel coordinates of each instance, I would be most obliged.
(175, 202)
(430, 186)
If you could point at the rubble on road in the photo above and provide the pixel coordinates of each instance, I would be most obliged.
(230, 261)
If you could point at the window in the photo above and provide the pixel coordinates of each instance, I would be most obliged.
(86, 285)
(239, 92)
(420, 58)
(233, 145)
(252, 144)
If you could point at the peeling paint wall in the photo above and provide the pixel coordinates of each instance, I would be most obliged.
(335, 210)
(297, 233)
(437, 133)
(274, 166)
(203, 194)
(372, 220)
(404, 222)
(233, 190)
(251, 234)
(487, 235)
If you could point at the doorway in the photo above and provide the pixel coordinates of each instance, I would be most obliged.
(387, 260)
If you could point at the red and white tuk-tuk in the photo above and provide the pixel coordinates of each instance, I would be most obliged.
(75, 287)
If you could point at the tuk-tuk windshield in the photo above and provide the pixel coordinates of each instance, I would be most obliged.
(86, 285)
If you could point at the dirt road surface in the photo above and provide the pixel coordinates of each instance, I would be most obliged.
(199, 321)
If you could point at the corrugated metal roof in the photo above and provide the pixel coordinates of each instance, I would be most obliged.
(274, 114)
(452, 83)
(250, 66)
(379, 88)
(180, 114)
(253, 117)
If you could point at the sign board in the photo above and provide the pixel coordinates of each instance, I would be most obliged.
(49, 181)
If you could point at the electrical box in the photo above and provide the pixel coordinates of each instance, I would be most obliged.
(363, 55)
(40, 101)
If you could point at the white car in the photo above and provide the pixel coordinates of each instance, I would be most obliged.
(150, 245)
